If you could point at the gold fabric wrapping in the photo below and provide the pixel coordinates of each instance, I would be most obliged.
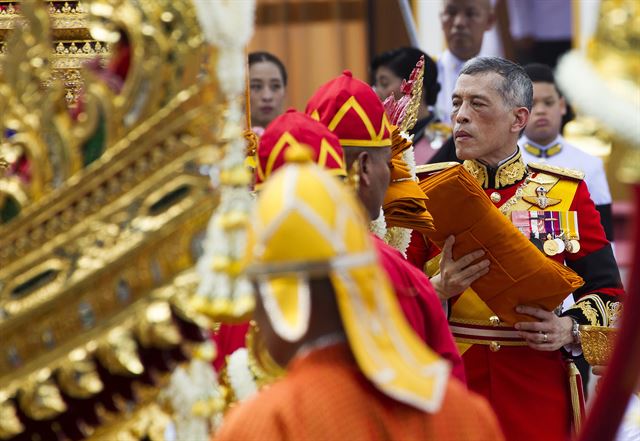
(405, 204)
(519, 273)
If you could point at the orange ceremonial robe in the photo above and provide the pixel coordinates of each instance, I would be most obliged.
(326, 397)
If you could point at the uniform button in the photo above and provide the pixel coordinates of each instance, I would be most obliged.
(494, 346)
(494, 320)
(495, 197)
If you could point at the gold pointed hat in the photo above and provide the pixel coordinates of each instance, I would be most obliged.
(307, 224)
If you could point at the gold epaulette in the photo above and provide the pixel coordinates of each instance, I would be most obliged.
(434, 168)
(554, 169)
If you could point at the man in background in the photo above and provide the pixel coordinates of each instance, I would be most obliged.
(464, 23)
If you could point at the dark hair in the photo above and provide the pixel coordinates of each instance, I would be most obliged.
(401, 62)
(516, 88)
(260, 57)
(541, 73)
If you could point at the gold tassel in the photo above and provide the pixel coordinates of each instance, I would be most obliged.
(575, 396)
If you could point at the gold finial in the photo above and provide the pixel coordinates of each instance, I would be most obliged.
(299, 154)
(414, 86)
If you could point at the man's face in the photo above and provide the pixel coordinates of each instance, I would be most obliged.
(464, 23)
(546, 114)
(484, 125)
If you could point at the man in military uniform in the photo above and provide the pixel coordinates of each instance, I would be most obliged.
(525, 378)
(542, 141)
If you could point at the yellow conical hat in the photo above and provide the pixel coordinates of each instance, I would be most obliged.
(308, 224)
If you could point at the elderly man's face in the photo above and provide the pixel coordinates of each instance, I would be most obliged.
(485, 127)
(464, 23)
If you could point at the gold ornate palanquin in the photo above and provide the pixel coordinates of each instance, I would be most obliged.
(96, 255)
(72, 44)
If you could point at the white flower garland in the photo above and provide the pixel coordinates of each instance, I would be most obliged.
(241, 378)
(196, 400)
(399, 238)
(223, 291)
(378, 226)
(589, 92)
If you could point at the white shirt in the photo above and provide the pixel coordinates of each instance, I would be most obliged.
(449, 67)
(543, 20)
(572, 157)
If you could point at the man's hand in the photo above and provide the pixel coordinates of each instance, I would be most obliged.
(550, 333)
(457, 275)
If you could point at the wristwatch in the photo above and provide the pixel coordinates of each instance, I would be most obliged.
(575, 331)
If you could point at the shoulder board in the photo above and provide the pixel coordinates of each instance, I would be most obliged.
(555, 170)
(428, 169)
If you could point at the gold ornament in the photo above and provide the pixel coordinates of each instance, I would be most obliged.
(597, 344)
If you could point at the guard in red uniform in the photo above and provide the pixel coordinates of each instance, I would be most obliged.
(521, 369)
(416, 296)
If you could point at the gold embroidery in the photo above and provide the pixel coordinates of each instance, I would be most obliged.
(589, 312)
(507, 174)
(511, 172)
(478, 171)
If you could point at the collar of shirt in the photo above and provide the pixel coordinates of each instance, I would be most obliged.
(559, 140)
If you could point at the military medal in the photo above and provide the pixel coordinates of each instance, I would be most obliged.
(573, 246)
(550, 246)
(569, 225)
(561, 245)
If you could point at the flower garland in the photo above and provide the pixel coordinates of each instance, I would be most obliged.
(378, 226)
(195, 397)
(224, 293)
(241, 378)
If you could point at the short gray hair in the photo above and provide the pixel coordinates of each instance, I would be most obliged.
(516, 88)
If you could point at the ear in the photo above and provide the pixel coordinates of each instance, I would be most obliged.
(364, 168)
(521, 115)
(563, 106)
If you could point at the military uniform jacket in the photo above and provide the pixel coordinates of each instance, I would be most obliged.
(562, 154)
(498, 364)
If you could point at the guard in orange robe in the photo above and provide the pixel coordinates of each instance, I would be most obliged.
(415, 294)
(325, 309)
(325, 396)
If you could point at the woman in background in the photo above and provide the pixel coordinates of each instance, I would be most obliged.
(268, 84)
(388, 70)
